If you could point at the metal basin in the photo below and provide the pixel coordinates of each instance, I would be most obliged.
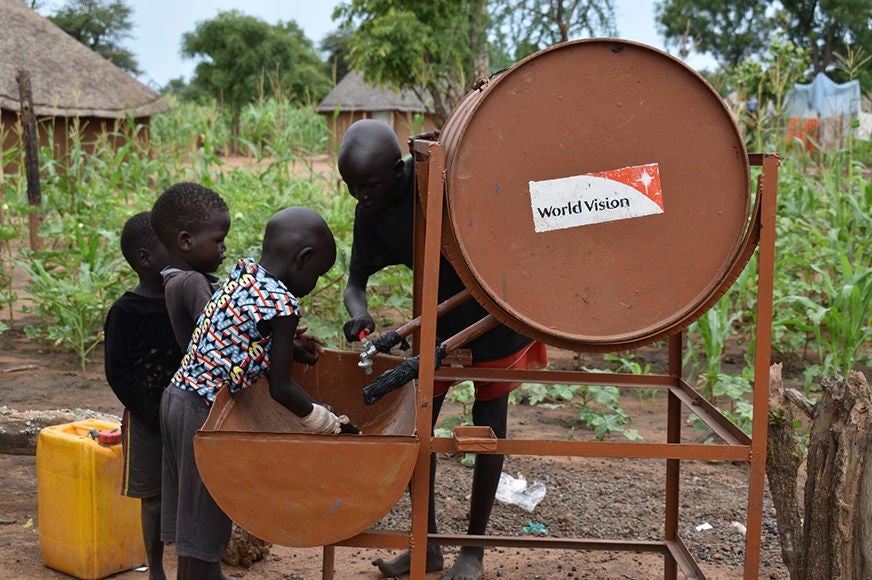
(296, 489)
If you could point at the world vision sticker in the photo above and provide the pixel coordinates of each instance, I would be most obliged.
(595, 198)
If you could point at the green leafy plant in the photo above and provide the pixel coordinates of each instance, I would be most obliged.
(71, 303)
(841, 321)
(626, 362)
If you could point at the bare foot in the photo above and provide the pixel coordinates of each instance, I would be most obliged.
(400, 565)
(468, 565)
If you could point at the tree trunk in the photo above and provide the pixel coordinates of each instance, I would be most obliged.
(30, 137)
(234, 132)
(836, 512)
(782, 468)
(835, 540)
(481, 58)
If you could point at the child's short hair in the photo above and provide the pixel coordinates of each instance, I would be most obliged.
(183, 206)
(137, 233)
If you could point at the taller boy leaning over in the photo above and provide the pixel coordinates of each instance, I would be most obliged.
(191, 221)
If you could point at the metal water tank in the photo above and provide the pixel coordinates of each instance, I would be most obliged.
(597, 195)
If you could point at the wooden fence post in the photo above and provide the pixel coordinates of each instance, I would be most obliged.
(31, 156)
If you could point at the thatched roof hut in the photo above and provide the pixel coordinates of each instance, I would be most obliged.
(68, 80)
(353, 99)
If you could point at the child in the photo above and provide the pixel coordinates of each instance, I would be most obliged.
(141, 356)
(192, 222)
(248, 328)
(382, 182)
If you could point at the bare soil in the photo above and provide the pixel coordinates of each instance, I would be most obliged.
(585, 498)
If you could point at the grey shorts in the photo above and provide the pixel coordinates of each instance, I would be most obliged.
(142, 450)
(189, 515)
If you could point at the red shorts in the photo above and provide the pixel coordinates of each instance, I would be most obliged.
(532, 356)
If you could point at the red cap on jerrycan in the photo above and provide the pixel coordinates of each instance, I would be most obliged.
(106, 436)
(109, 437)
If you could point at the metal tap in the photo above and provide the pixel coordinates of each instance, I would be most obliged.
(369, 351)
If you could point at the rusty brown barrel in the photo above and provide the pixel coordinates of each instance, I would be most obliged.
(597, 195)
(297, 489)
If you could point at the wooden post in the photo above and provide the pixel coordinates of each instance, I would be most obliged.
(30, 138)
(830, 537)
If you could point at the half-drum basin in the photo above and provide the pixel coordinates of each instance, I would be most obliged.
(578, 109)
(297, 489)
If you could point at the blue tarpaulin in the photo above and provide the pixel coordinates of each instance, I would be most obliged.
(824, 98)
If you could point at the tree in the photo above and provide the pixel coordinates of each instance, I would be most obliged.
(741, 29)
(101, 25)
(531, 25)
(729, 31)
(826, 27)
(336, 47)
(243, 58)
(433, 48)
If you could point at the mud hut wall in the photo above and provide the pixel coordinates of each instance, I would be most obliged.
(57, 130)
(403, 123)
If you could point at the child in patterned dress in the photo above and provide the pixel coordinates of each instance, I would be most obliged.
(249, 327)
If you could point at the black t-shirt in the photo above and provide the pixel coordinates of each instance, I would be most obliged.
(385, 239)
(141, 354)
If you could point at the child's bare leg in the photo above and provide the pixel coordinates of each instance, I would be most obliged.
(149, 508)
(485, 479)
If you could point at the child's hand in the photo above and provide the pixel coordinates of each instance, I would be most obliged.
(307, 348)
(323, 421)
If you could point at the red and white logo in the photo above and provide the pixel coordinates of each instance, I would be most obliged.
(594, 198)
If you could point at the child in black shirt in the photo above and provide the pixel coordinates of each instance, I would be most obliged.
(141, 356)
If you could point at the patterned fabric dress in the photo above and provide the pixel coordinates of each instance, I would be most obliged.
(226, 347)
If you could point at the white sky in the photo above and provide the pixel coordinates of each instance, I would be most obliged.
(159, 25)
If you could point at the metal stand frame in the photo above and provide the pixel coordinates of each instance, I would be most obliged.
(430, 176)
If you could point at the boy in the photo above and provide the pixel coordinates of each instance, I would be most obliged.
(191, 222)
(141, 356)
(249, 327)
(382, 182)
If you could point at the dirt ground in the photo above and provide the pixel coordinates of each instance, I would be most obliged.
(585, 497)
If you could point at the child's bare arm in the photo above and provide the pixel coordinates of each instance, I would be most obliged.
(282, 386)
(285, 390)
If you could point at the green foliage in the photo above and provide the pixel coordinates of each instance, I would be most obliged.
(538, 393)
(731, 32)
(71, 303)
(738, 31)
(335, 46)
(767, 80)
(463, 394)
(431, 48)
(626, 363)
(709, 335)
(521, 27)
(840, 319)
(243, 58)
(827, 28)
(102, 26)
(600, 409)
